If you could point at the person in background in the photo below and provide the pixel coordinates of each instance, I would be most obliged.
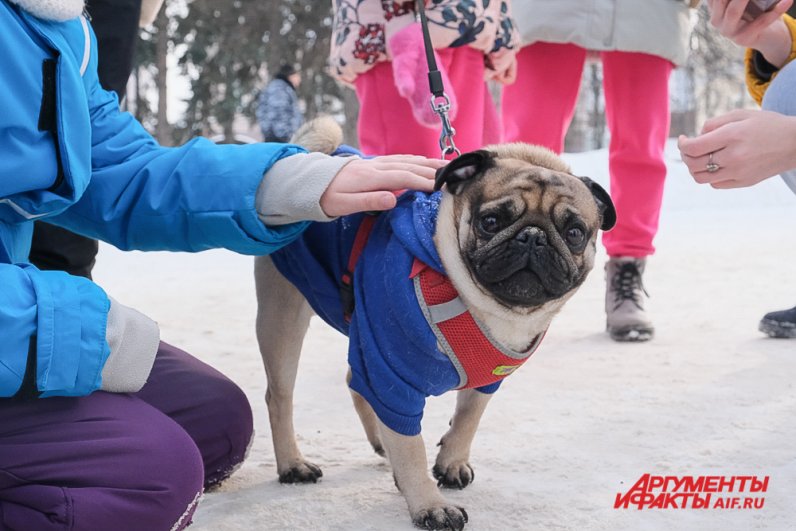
(116, 24)
(278, 111)
(377, 47)
(639, 43)
(745, 147)
(102, 425)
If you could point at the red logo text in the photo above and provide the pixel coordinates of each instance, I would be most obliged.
(694, 492)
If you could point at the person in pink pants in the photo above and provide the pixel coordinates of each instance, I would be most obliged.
(639, 44)
(378, 48)
(386, 125)
(637, 111)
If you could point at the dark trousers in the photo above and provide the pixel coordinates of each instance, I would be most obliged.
(54, 248)
(115, 23)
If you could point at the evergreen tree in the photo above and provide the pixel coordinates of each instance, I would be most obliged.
(228, 49)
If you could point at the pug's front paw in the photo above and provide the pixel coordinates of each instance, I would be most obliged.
(301, 472)
(456, 475)
(446, 517)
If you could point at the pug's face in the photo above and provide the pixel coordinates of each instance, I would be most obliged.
(526, 226)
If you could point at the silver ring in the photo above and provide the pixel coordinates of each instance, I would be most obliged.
(711, 166)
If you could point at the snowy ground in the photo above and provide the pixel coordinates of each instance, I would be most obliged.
(582, 421)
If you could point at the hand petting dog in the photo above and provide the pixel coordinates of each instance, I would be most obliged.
(365, 185)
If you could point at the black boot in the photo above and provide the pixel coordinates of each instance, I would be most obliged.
(780, 324)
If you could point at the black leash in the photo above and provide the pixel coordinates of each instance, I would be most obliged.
(440, 102)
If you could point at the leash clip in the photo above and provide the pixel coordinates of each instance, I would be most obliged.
(441, 105)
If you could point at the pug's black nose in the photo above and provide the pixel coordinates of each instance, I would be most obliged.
(532, 236)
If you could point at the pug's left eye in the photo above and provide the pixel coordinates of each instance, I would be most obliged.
(575, 236)
(489, 224)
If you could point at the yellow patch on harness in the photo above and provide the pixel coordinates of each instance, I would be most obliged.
(504, 370)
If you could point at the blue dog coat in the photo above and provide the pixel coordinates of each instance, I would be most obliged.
(393, 352)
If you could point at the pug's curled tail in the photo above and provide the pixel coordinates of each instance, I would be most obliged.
(322, 134)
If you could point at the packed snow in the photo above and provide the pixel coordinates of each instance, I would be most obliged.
(582, 421)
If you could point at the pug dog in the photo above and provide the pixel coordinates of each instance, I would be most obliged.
(452, 290)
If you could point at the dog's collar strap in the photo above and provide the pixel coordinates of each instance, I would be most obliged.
(477, 357)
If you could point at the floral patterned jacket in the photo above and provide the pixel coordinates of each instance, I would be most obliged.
(363, 27)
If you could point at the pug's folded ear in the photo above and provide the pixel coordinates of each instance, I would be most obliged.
(458, 172)
(606, 206)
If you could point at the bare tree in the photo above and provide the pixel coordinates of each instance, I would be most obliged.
(163, 132)
(225, 52)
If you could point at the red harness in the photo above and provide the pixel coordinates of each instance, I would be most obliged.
(478, 359)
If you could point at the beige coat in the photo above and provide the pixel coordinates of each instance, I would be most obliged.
(657, 27)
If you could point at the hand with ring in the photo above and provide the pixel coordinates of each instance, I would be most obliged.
(711, 167)
(741, 148)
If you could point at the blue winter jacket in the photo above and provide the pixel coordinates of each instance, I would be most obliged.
(69, 155)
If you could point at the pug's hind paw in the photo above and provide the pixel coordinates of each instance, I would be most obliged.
(447, 518)
(303, 472)
(379, 449)
(457, 475)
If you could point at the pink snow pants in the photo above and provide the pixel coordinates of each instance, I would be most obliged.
(386, 125)
(538, 109)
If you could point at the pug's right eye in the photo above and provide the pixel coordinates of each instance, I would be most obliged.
(489, 224)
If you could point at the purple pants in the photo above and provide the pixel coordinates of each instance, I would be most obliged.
(122, 461)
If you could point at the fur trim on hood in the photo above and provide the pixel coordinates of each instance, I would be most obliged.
(57, 10)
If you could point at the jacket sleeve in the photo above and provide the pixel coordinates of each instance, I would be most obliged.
(53, 333)
(454, 23)
(190, 198)
(507, 41)
(759, 72)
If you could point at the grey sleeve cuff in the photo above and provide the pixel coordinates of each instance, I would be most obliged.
(134, 339)
(291, 190)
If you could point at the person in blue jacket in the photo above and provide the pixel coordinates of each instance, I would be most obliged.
(116, 25)
(102, 425)
(278, 111)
